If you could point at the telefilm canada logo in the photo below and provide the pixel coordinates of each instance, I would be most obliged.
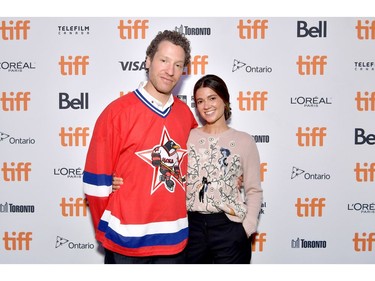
(251, 69)
(63, 242)
(297, 172)
(4, 137)
(364, 65)
(73, 30)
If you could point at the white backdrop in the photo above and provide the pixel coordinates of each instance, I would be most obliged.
(303, 87)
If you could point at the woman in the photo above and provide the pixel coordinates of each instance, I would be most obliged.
(221, 215)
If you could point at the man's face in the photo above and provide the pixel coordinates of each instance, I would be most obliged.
(165, 69)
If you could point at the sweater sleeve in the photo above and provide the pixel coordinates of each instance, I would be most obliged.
(252, 186)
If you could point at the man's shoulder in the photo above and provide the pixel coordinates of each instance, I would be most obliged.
(180, 102)
(128, 97)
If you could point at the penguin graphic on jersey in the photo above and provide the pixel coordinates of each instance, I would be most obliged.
(166, 158)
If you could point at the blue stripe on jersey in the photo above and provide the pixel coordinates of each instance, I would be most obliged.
(149, 105)
(97, 179)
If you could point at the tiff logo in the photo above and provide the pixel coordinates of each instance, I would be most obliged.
(16, 171)
(309, 209)
(365, 101)
(252, 29)
(17, 241)
(15, 31)
(314, 138)
(259, 239)
(15, 101)
(74, 136)
(73, 66)
(263, 170)
(312, 66)
(365, 173)
(132, 29)
(365, 30)
(197, 66)
(74, 208)
(364, 243)
(252, 101)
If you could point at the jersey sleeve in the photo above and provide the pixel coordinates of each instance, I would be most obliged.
(99, 165)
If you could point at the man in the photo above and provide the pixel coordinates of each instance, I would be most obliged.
(141, 137)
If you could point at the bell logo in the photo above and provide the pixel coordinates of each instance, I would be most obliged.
(136, 29)
(16, 172)
(364, 243)
(15, 101)
(76, 207)
(252, 29)
(310, 209)
(15, 30)
(365, 30)
(252, 101)
(311, 66)
(313, 138)
(17, 241)
(314, 31)
(259, 239)
(365, 173)
(73, 65)
(75, 103)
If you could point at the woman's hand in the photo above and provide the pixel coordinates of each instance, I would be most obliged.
(116, 183)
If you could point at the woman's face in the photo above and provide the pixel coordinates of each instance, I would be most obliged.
(210, 105)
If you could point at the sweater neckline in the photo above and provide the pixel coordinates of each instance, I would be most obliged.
(229, 131)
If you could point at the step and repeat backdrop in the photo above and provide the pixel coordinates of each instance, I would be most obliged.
(303, 87)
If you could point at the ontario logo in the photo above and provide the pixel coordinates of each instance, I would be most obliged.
(63, 242)
(297, 172)
(15, 140)
(237, 65)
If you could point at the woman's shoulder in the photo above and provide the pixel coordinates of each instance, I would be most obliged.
(242, 135)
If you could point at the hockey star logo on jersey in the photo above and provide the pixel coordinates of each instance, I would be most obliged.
(165, 158)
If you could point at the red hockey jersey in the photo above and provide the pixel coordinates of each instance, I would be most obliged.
(147, 148)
